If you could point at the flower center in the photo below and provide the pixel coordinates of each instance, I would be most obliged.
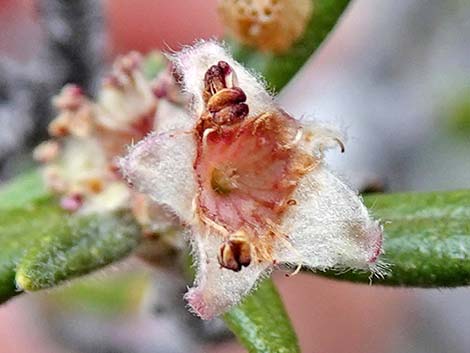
(224, 180)
(247, 169)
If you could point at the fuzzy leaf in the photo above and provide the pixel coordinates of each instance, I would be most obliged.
(427, 239)
(261, 323)
(76, 246)
(19, 230)
(41, 245)
(24, 188)
(113, 295)
(278, 69)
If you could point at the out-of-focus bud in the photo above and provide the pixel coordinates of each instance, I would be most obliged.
(269, 25)
(79, 163)
(75, 113)
(46, 151)
(126, 101)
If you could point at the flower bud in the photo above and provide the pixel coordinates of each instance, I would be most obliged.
(269, 25)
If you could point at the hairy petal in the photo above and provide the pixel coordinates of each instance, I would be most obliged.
(217, 288)
(329, 226)
(126, 95)
(319, 137)
(171, 117)
(161, 166)
(193, 62)
(115, 196)
(81, 159)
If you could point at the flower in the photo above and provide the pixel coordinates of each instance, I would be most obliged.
(270, 25)
(250, 183)
(78, 167)
(88, 136)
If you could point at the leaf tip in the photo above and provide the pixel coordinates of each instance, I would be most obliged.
(23, 281)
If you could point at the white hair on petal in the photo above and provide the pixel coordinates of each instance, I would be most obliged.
(194, 61)
(217, 288)
(329, 227)
(161, 166)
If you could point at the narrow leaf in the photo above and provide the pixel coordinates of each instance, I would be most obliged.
(22, 189)
(76, 246)
(278, 69)
(261, 323)
(47, 246)
(114, 295)
(427, 239)
(20, 228)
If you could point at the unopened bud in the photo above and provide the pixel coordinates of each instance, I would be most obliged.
(270, 25)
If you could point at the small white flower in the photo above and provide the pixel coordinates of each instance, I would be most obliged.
(126, 101)
(250, 183)
(79, 163)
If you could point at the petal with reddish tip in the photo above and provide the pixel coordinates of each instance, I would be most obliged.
(161, 166)
(216, 288)
(328, 226)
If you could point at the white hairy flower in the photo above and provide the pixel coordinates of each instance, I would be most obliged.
(249, 181)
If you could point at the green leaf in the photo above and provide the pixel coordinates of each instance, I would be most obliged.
(19, 228)
(457, 112)
(41, 245)
(76, 246)
(114, 295)
(427, 239)
(278, 69)
(24, 188)
(261, 323)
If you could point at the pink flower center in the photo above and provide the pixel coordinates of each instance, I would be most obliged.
(247, 169)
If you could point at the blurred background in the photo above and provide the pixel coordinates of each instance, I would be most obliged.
(395, 75)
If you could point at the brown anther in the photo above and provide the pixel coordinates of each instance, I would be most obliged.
(225, 67)
(224, 98)
(235, 253)
(214, 81)
(231, 115)
(224, 105)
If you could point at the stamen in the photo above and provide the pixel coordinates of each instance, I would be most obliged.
(235, 253)
(297, 270)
